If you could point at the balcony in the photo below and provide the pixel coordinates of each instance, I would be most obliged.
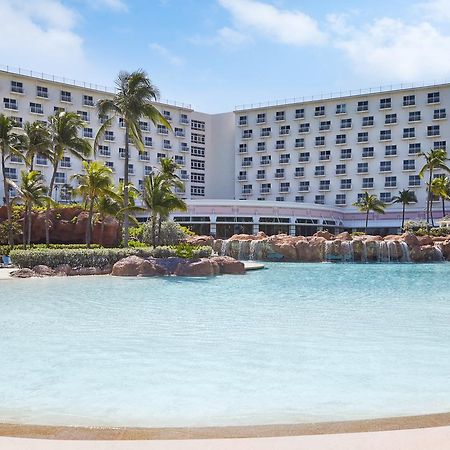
(265, 162)
(246, 191)
(88, 103)
(180, 133)
(279, 175)
(260, 176)
(265, 190)
(163, 131)
(242, 177)
(184, 121)
(243, 122)
(246, 163)
(265, 134)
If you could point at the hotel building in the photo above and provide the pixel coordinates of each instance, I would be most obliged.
(293, 166)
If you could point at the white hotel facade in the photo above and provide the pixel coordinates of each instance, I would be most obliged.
(293, 166)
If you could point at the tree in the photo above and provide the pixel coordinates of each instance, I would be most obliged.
(369, 203)
(35, 140)
(434, 159)
(9, 142)
(94, 183)
(405, 197)
(31, 191)
(160, 200)
(132, 101)
(440, 187)
(64, 128)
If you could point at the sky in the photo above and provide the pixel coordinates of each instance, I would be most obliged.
(216, 54)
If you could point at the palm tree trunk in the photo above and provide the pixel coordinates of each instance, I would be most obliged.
(47, 211)
(89, 224)
(153, 229)
(403, 216)
(159, 229)
(126, 220)
(367, 219)
(429, 197)
(24, 226)
(443, 206)
(7, 202)
(102, 230)
(30, 215)
(431, 212)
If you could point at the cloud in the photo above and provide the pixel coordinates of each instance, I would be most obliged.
(396, 50)
(115, 5)
(166, 54)
(435, 10)
(40, 35)
(284, 26)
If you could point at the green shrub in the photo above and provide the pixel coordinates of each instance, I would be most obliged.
(137, 244)
(163, 252)
(172, 233)
(204, 251)
(358, 233)
(5, 250)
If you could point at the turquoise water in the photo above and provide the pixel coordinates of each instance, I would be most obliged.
(294, 343)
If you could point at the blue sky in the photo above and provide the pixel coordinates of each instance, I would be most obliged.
(220, 53)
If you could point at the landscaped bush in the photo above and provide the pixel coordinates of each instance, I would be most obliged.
(203, 251)
(6, 249)
(172, 233)
(163, 252)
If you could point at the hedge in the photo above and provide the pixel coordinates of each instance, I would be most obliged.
(6, 249)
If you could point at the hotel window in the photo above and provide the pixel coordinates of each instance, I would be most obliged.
(367, 121)
(279, 199)
(197, 125)
(247, 189)
(433, 97)
(433, 130)
(160, 156)
(409, 100)
(60, 178)
(65, 162)
(303, 186)
(319, 171)
(341, 139)
(299, 198)
(261, 174)
(66, 96)
(84, 115)
(304, 128)
(261, 147)
(385, 103)
(200, 138)
(346, 183)
(167, 115)
(247, 161)
(414, 116)
(413, 181)
(279, 115)
(299, 172)
(261, 118)
(197, 151)
(390, 150)
(319, 111)
(103, 118)
(390, 119)
(285, 129)
(285, 187)
(122, 153)
(363, 105)
(36, 108)
(109, 135)
(11, 173)
(148, 170)
(41, 92)
(161, 129)
(197, 177)
(300, 113)
(319, 141)
(439, 114)
(199, 191)
(17, 122)
(58, 109)
(265, 132)
(121, 122)
(390, 182)
(385, 166)
(360, 197)
(363, 167)
(10, 103)
(243, 148)
(363, 137)
(285, 159)
(265, 188)
(179, 132)
(88, 133)
(303, 157)
(184, 148)
(145, 156)
(409, 133)
(440, 144)
(385, 135)
(280, 145)
(242, 175)
(299, 143)
(319, 199)
(148, 141)
(341, 199)
(414, 148)
(16, 159)
(324, 185)
(386, 197)
(243, 120)
(104, 150)
(367, 183)
(17, 87)
(324, 155)
(247, 134)
(409, 164)
(346, 153)
(325, 125)
(184, 119)
(200, 165)
(346, 124)
(41, 160)
(341, 108)
(341, 169)
(88, 100)
(265, 160)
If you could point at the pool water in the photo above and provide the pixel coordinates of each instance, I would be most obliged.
(293, 343)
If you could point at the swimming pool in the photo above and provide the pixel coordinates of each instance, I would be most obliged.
(294, 343)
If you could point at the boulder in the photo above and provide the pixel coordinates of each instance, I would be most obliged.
(229, 265)
(149, 268)
(197, 268)
(392, 237)
(324, 234)
(201, 240)
(310, 250)
(410, 239)
(445, 248)
(425, 253)
(344, 236)
(44, 271)
(168, 264)
(128, 267)
(23, 273)
(425, 240)
(63, 270)
(78, 271)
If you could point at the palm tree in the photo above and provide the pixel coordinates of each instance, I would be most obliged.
(160, 200)
(31, 191)
(35, 140)
(405, 197)
(64, 128)
(94, 183)
(9, 142)
(132, 101)
(369, 203)
(434, 159)
(440, 187)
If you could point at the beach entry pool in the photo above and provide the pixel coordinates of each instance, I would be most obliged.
(294, 343)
